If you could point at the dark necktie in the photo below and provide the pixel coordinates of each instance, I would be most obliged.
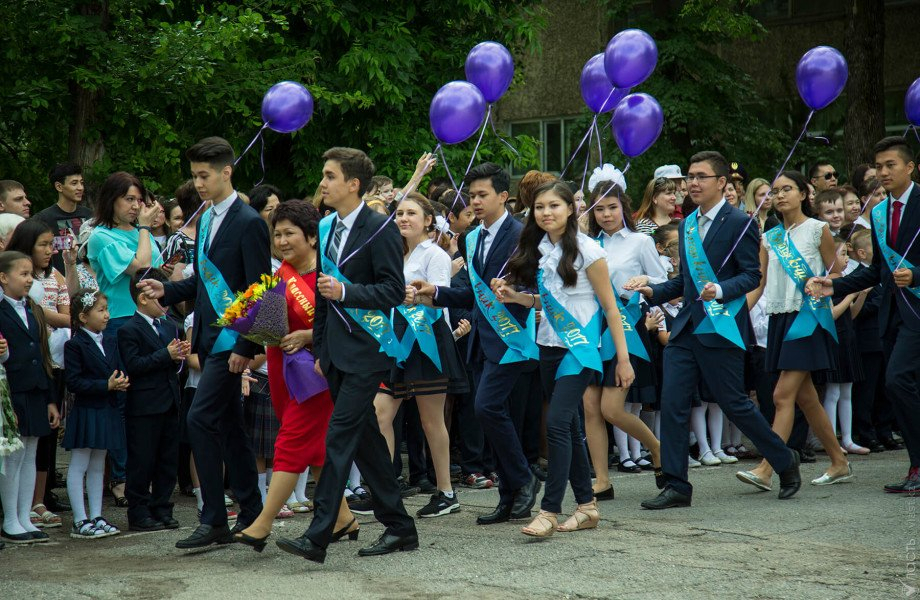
(166, 331)
(336, 241)
(481, 251)
(896, 208)
(207, 234)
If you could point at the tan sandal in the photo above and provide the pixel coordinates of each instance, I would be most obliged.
(543, 525)
(586, 516)
(41, 517)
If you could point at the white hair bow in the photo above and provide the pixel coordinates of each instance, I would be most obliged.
(606, 173)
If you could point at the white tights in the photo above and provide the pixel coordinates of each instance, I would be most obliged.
(629, 447)
(17, 486)
(838, 404)
(89, 463)
(712, 442)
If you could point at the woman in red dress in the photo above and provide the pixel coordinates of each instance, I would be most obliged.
(301, 440)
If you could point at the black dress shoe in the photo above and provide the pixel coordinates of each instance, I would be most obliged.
(205, 535)
(790, 480)
(628, 466)
(875, 446)
(668, 498)
(147, 524)
(604, 494)
(168, 521)
(425, 486)
(55, 504)
(892, 444)
(39, 536)
(501, 514)
(257, 544)
(525, 498)
(406, 490)
(539, 471)
(807, 455)
(303, 547)
(17, 538)
(388, 543)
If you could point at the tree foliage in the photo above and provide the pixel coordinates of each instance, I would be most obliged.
(129, 84)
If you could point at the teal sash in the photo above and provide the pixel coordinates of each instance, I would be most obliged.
(814, 311)
(421, 321)
(581, 340)
(219, 293)
(720, 318)
(892, 258)
(520, 340)
(629, 315)
(374, 322)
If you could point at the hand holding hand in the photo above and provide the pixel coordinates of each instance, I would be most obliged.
(423, 288)
(174, 350)
(819, 287)
(634, 283)
(329, 287)
(411, 295)
(709, 292)
(238, 363)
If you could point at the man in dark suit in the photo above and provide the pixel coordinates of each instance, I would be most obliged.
(496, 240)
(895, 260)
(366, 252)
(233, 252)
(150, 351)
(693, 355)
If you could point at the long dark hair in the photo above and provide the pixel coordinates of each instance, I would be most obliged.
(81, 302)
(26, 235)
(522, 267)
(612, 191)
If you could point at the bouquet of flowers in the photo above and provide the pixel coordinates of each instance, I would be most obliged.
(9, 432)
(259, 314)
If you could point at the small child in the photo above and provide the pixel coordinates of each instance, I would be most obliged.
(151, 351)
(28, 365)
(94, 424)
(829, 206)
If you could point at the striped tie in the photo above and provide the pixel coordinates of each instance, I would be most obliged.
(336, 240)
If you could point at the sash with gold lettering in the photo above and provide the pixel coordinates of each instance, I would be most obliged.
(582, 341)
(720, 318)
(219, 293)
(894, 260)
(520, 340)
(421, 320)
(629, 316)
(298, 293)
(301, 380)
(374, 322)
(814, 311)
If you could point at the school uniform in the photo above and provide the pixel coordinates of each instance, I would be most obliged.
(30, 383)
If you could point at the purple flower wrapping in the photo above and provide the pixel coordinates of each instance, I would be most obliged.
(302, 381)
(266, 322)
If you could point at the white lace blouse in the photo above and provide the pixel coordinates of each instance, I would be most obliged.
(781, 292)
(579, 300)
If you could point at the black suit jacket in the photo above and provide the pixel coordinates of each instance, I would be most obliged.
(482, 336)
(25, 367)
(377, 282)
(893, 300)
(865, 324)
(87, 371)
(154, 385)
(241, 251)
(740, 275)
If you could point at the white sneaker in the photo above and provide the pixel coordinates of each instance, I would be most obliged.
(693, 463)
(709, 459)
(725, 459)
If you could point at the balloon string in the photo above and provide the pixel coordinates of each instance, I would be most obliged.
(578, 149)
(491, 118)
(756, 212)
(251, 144)
(479, 141)
(600, 151)
(186, 224)
(261, 158)
(584, 173)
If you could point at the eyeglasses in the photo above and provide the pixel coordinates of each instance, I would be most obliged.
(783, 190)
(830, 175)
(700, 178)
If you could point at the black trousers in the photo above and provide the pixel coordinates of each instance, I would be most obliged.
(873, 415)
(153, 456)
(468, 436)
(354, 435)
(527, 408)
(902, 381)
(219, 437)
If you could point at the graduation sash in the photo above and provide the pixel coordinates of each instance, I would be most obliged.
(374, 322)
(892, 258)
(421, 320)
(580, 340)
(719, 318)
(219, 293)
(520, 340)
(629, 316)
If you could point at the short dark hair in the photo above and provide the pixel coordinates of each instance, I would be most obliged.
(379, 180)
(455, 204)
(62, 171)
(355, 164)
(216, 151)
(26, 235)
(499, 177)
(827, 197)
(716, 161)
(114, 187)
(300, 213)
(661, 234)
(258, 196)
(813, 171)
(893, 142)
(188, 199)
(7, 186)
(141, 274)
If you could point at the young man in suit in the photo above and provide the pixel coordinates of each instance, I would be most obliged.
(150, 352)
(232, 252)
(895, 260)
(716, 357)
(496, 366)
(361, 279)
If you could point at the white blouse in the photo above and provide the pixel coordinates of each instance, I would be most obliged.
(579, 300)
(428, 262)
(630, 253)
(781, 292)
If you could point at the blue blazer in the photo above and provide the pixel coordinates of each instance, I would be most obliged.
(740, 275)
(25, 367)
(87, 371)
(241, 251)
(482, 336)
(154, 386)
(891, 298)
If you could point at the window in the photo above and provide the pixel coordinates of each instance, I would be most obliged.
(558, 138)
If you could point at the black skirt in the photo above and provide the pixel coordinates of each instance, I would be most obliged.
(31, 410)
(418, 375)
(849, 362)
(96, 428)
(815, 353)
(644, 388)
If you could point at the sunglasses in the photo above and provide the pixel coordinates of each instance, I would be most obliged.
(830, 175)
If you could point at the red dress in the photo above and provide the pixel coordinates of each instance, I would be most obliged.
(301, 439)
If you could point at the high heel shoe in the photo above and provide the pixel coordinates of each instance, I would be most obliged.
(351, 533)
(257, 544)
(586, 516)
(543, 525)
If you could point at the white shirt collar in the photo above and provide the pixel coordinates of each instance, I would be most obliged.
(14, 302)
(493, 229)
(148, 318)
(712, 212)
(97, 337)
(349, 221)
(224, 206)
(906, 195)
(623, 232)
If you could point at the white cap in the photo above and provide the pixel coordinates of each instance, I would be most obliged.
(668, 172)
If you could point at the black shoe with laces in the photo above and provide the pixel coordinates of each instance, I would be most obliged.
(439, 505)
(362, 507)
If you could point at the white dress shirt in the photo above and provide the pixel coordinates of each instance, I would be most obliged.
(428, 262)
(705, 221)
(630, 253)
(903, 200)
(349, 223)
(218, 212)
(579, 300)
(97, 337)
(488, 239)
(150, 320)
(760, 321)
(20, 307)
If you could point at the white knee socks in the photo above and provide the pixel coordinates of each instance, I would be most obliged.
(354, 477)
(698, 423)
(845, 413)
(79, 464)
(831, 397)
(300, 490)
(27, 482)
(9, 491)
(715, 425)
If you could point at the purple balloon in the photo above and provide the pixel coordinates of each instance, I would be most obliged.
(820, 76)
(912, 103)
(489, 67)
(630, 58)
(596, 90)
(637, 123)
(456, 112)
(287, 106)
